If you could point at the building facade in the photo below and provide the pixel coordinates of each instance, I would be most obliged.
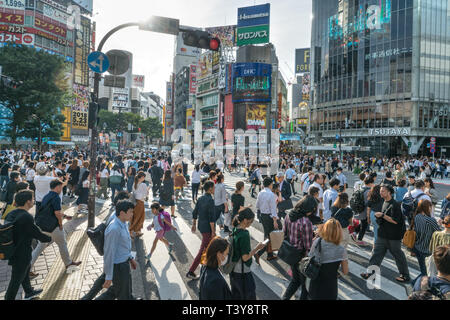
(380, 74)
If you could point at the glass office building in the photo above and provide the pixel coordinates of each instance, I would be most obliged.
(380, 74)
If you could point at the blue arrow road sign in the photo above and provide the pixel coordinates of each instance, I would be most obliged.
(119, 134)
(432, 145)
(337, 137)
(98, 62)
(428, 145)
(432, 150)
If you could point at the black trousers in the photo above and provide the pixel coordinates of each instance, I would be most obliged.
(20, 275)
(242, 286)
(195, 187)
(297, 280)
(121, 283)
(267, 222)
(362, 229)
(156, 187)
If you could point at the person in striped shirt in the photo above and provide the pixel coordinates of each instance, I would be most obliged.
(424, 225)
(299, 231)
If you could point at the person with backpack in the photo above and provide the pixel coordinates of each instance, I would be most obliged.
(115, 180)
(344, 214)
(298, 230)
(390, 234)
(205, 214)
(50, 218)
(424, 225)
(212, 282)
(358, 203)
(24, 231)
(161, 224)
(241, 278)
(439, 285)
(412, 198)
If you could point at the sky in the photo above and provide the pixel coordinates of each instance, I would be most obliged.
(153, 52)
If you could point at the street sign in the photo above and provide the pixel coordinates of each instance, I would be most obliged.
(432, 139)
(428, 145)
(432, 145)
(432, 150)
(114, 81)
(119, 134)
(337, 137)
(98, 62)
(444, 150)
(161, 25)
(119, 62)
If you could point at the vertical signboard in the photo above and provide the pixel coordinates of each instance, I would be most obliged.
(253, 25)
(80, 107)
(192, 79)
(204, 69)
(67, 124)
(256, 116)
(138, 81)
(228, 112)
(120, 98)
(302, 60)
(82, 49)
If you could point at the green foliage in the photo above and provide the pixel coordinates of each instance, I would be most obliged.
(35, 104)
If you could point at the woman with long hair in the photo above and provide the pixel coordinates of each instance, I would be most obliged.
(131, 174)
(140, 191)
(430, 190)
(341, 211)
(196, 180)
(327, 249)
(374, 204)
(167, 195)
(424, 225)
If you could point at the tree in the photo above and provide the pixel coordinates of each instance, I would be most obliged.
(151, 128)
(34, 105)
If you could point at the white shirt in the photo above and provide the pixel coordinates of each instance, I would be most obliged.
(328, 195)
(416, 192)
(104, 173)
(156, 224)
(42, 184)
(267, 203)
(115, 173)
(141, 192)
(48, 154)
(358, 185)
(306, 183)
(315, 184)
(423, 175)
(196, 177)
(30, 173)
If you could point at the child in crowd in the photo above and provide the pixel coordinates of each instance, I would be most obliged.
(161, 223)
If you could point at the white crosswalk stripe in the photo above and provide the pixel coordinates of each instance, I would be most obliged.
(171, 281)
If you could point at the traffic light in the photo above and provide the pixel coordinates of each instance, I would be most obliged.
(201, 39)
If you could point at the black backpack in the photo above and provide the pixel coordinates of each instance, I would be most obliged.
(409, 204)
(97, 237)
(357, 201)
(7, 245)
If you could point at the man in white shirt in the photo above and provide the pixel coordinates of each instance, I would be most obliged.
(42, 184)
(419, 191)
(359, 184)
(307, 181)
(342, 178)
(48, 154)
(290, 176)
(329, 197)
(318, 180)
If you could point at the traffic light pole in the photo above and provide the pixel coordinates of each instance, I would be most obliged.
(94, 131)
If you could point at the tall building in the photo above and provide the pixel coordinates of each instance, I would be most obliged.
(380, 75)
(181, 97)
(48, 25)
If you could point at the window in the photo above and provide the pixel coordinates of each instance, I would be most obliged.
(29, 21)
(40, 6)
(29, 4)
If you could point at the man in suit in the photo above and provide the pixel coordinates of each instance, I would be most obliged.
(286, 193)
(156, 173)
(24, 231)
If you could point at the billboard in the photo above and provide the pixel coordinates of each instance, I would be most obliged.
(204, 69)
(66, 112)
(15, 4)
(120, 97)
(82, 50)
(12, 18)
(228, 113)
(254, 15)
(215, 63)
(17, 38)
(189, 117)
(41, 22)
(306, 86)
(256, 116)
(302, 60)
(252, 82)
(185, 50)
(226, 34)
(252, 35)
(138, 81)
(169, 92)
(192, 79)
(53, 13)
(85, 4)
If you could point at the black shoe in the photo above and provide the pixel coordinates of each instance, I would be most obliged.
(191, 275)
(33, 294)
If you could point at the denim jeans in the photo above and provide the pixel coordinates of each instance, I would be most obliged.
(4, 179)
(114, 188)
(421, 259)
(374, 223)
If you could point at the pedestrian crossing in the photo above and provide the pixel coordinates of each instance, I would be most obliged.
(272, 277)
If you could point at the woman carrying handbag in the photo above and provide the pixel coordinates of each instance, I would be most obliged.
(298, 240)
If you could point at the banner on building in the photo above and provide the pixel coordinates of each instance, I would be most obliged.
(228, 112)
(306, 87)
(252, 35)
(228, 78)
(42, 22)
(302, 122)
(79, 120)
(215, 64)
(189, 122)
(254, 15)
(226, 35)
(290, 137)
(303, 60)
(204, 69)
(55, 14)
(81, 98)
(67, 124)
(256, 116)
(207, 86)
(192, 79)
(17, 38)
(252, 82)
(13, 4)
(169, 92)
(138, 81)
(82, 49)
(120, 97)
(12, 18)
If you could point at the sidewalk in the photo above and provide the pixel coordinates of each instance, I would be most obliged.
(56, 283)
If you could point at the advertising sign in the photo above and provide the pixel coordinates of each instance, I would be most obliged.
(188, 117)
(50, 36)
(228, 112)
(226, 35)
(254, 16)
(185, 50)
(138, 81)
(192, 79)
(66, 112)
(82, 48)
(229, 78)
(302, 122)
(206, 86)
(252, 35)
(13, 4)
(306, 87)
(169, 92)
(15, 18)
(252, 82)
(302, 60)
(55, 14)
(17, 38)
(42, 23)
(204, 66)
(395, 132)
(290, 137)
(120, 98)
(80, 107)
(256, 116)
(215, 64)
(79, 120)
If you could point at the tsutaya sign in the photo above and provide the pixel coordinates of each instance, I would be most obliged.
(390, 132)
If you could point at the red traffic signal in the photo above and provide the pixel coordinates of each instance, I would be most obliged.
(201, 39)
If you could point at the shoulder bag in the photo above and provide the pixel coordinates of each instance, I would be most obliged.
(309, 266)
(409, 238)
(287, 252)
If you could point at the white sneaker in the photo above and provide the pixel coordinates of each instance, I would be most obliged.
(72, 269)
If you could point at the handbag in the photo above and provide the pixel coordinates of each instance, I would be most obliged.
(309, 267)
(287, 252)
(276, 239)
(115, 179)
(285, 205)
(409, 238)
(97, 237)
